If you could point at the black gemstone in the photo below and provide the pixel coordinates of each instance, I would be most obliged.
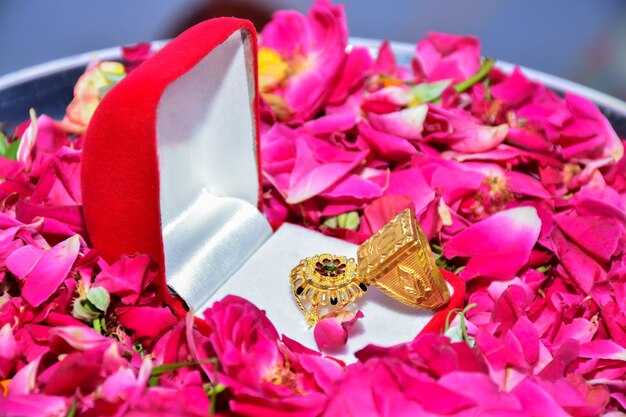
(299, 290)
(334, 301)
(363, 287)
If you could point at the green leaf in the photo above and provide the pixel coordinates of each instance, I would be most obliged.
(485, 68)
(104, 90)
(331, 222)
(211, 389)
(103, 324)
(97, 326)
(459, 333)
(99, 297)
(8, 150)
(428, 92)
(458, 269)
(169, 367)
(153, 381)
(436, 248)
(350, 220)
(82, 310)
(4, 143)
(72, 411)
(544, 268)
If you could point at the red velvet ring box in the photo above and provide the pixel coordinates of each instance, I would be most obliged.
(171, 168)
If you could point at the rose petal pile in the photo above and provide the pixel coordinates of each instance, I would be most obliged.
(522, 193)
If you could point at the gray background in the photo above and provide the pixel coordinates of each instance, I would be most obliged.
(581, 40)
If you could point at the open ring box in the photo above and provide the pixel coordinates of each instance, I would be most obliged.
(171, 168)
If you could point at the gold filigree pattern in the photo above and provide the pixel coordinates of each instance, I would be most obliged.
(397, 260)
(324, 284)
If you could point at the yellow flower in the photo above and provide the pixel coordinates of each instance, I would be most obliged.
(89, 91)
(272, 69)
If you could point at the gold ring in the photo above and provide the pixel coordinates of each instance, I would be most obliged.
(324, 284)
(397, 260)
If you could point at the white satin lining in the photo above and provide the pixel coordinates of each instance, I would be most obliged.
(208, 171)
(208, 243)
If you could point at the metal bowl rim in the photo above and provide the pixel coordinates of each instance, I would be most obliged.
(401, 48)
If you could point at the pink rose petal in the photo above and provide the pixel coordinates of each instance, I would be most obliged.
(329, 124)
(500, 353)
(515, 89)
(480, 389)
(579, 329)
(602, 349)
(135, 55)
(119, 385)
(382, 210)
(387, 146)
(597, 137)
(411, 182)
(354, 187)
(385, 60)
(81, 338)
(50, 271)
(8, 351)
(387, 100)
(535, 401)
(452, 179)
(407, 123)
(127, 277)
(145, 321)
(461, 131)
(582, 268)
(521, 183)
(359, 63)
(332, 332)
(302, 166)
(441, 56)
(318, 165)
(34, 405)
(326, 372)
(600, 236)
(24, 381)
(497, 246)
(527, 336)
(442, 397)
(527, 139)
(22, 261)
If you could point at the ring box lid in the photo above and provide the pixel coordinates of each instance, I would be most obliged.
(170, 160)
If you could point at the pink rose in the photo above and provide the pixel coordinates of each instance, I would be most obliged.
(266, 376)
(440, 56)
(301, 58)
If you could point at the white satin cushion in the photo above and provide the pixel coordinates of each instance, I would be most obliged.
(264, 280)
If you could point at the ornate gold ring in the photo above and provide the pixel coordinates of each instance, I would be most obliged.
(397, 260)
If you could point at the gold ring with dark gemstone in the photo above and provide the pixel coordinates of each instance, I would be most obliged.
(324, 284)
(397, 260)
